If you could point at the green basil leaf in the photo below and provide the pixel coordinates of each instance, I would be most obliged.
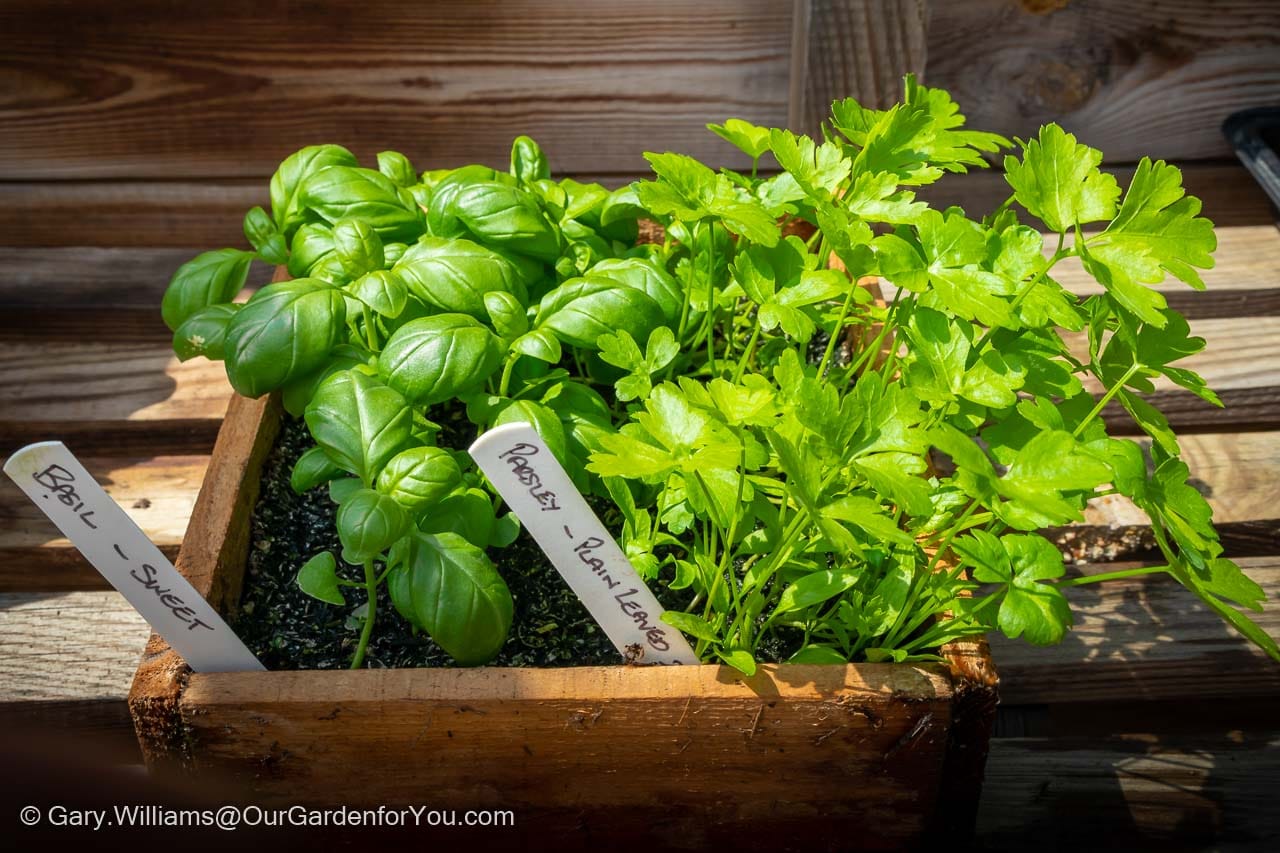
(450, 589)
(297, 393)
(646, 276)
(358, 247)
(507, 315)
(545, 422)
(383, 291)
(419, 477)
(359, 422)
(528, 163)
(339, 192)
(205, 332)
(286, 207)
(541, 344)
(318, 578)
(393, 252)
(312, 469)
(397, 167)
(467, 512)
(581, 310)
(343, 488)
(368, 524)
(437, 358)
(505, 216)
(265, 237)
(739, 659)
(208, 279)
(312, 244)
(455, 274)
(285, 331)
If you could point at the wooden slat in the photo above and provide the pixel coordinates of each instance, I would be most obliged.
(1208, 791)
(157, 492)
(89, 392)
(842, 49)
(85, 293)
(1240, 352)
(1131, 77)
(238, 87)
(1140, 639)
(1244, 409)
(1230, 195)
(67, 647)
(1247, 259)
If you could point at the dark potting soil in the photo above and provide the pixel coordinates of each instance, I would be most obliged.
(288, 629)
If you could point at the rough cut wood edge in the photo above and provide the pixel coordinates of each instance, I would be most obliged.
(212, 557)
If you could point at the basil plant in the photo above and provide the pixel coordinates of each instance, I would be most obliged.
(410, 293)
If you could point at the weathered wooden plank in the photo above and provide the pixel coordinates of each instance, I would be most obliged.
(1245, 260)
(88, 293)
(1211, 790)
(1131, 77)
(1240, 352)
(841, 49)
(157, 492)
(1141, 639)
(1230, 195)
(1244, 409)
(68, 647)
(79, 387)
(239, 87)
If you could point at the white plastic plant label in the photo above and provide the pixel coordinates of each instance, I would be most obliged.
(109, 539)
(540, 493)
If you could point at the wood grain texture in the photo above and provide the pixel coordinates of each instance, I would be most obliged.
(1230, 195)
(1246, 260)
(617, 745)
(859, 49)
(157, 492)
(85, 293)
(239, 87)
(77, 388)
(1144, 638)
(1131, 77)
(1244, 409)
(68, 647)
(1205, 791)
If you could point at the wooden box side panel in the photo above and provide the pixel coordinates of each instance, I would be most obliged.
(212, 557)
(860, 747)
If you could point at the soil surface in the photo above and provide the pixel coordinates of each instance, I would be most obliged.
(288, 629)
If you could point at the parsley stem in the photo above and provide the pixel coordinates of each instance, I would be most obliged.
(371, 610)
(748, 352)
(838, 329)
(951, 534)
(711, 298)
(688, 286)
(1111, 576)
(1106, 398)
(1026, 291)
